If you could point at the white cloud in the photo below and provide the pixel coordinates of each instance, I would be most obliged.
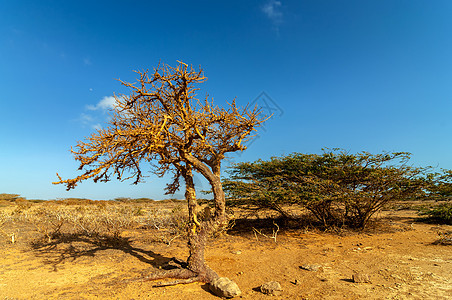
(107, 103)
(85, 118)
(97, 126)
(96, 115)
(272, 10)
(89, 120)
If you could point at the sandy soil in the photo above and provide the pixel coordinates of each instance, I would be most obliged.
(401, 260)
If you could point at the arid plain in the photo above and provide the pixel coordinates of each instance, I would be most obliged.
(402, 257)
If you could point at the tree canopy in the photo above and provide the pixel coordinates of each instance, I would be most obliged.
(162, 121)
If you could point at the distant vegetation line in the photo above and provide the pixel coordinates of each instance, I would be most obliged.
(13, 198)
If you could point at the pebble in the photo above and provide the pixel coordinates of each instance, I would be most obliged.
(224, 287)
(361, 278)
(271, 288)
(314, 268)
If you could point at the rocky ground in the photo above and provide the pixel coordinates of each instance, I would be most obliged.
(399, 258)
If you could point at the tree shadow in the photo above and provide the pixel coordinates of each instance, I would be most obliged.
(244, 226)
(70, 247)
(395, 218)
(432, 220)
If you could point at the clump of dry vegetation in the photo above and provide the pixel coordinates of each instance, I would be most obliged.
(98, 220)
(4, 217)
(168, 224)
(108, 220)
(47, 220)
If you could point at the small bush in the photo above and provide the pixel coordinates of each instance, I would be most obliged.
(168, 224)
(115, 219)
(10, 197)
(48, 220)
(439, 214)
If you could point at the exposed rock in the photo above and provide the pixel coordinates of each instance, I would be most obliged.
(314, 268)
(224, 287)
(271, 288)
(360, 278)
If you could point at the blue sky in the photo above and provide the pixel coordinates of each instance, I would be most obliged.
(360, 75)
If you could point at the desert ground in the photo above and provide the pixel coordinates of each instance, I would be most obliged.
(399, 254)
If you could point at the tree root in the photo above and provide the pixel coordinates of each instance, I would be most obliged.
(180, 273)
(176, 282)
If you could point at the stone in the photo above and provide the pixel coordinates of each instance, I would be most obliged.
(271, 288)
(360, 278)
(314, 268)
(224, 287)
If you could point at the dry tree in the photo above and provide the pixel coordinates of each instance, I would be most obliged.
(163, 124)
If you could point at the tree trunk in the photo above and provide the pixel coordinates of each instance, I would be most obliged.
(212, 174)
(197, 234)
(219, 202)
(196, 268)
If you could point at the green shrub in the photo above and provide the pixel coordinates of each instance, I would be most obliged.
(439, 214)
(337, 187)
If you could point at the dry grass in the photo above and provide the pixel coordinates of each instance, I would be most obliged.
(6, 217)
(96, 219)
